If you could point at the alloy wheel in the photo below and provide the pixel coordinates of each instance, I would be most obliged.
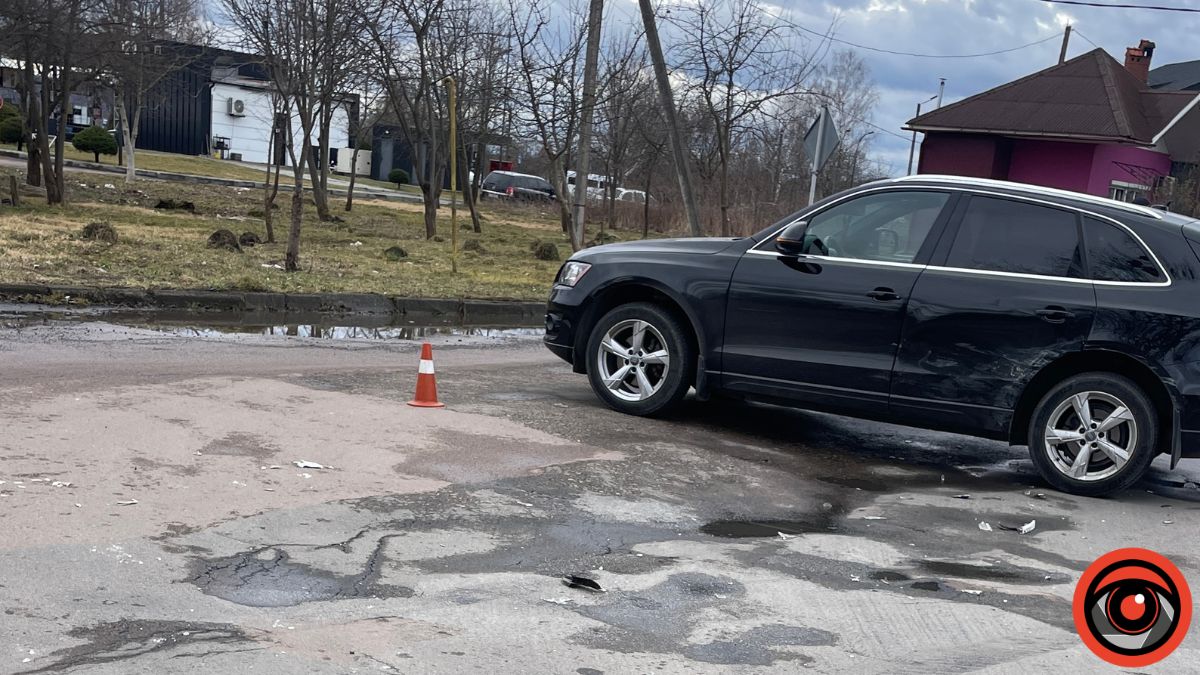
(633, 360)
(1090, 436)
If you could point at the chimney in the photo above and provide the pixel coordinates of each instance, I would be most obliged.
(1137, 60)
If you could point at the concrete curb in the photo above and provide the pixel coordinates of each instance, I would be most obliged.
(344, 304)
(359, 192)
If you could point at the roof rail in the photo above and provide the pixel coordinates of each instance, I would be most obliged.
(1146, 211)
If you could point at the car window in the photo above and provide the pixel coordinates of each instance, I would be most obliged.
(1114, 255)
(887, 226)
(1003, 235)
(497, 181)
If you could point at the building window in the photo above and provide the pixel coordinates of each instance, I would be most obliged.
(1126, 192)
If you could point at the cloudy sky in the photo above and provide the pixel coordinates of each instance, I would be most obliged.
(953, 27)
(964, 27)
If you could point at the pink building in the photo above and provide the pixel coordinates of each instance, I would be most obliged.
(1088, 125)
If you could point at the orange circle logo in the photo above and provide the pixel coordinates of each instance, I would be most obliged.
(1132, 607)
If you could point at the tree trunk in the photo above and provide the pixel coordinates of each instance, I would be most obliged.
(667, 99)
(430, 200)
(723, 181)
(476, 221)
(646, 203)
(353, 178)
(33, 166)
(292, 259)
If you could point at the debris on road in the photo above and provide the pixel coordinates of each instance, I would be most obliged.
(972, 592)
(785, 536)
(304, 464)
(127, 502)
(576, 581)
(61, 483)
(1168, 522)
(1024, 529)
(962, 496)
(983, 525)
(558, 601)
(874, 518)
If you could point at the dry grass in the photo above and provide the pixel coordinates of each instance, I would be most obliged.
(160, 249)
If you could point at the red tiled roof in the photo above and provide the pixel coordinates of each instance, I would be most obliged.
(1090, 97)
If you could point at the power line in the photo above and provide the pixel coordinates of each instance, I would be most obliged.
(825, 36)
(1089, 40)
(1156, 8)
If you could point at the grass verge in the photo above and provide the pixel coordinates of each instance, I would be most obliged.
(167, 249)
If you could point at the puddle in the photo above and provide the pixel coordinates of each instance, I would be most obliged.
(744, 529)
(280, 324)
(346, 332)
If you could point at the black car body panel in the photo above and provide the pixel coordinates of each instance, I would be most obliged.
(922, 341)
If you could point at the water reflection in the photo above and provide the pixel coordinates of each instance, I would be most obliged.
(350, 332)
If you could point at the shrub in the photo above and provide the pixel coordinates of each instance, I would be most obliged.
(398, 176)
(546, 251)
(395, 253)
(224, 239)
(12, 130)
(96, 141)
(249, 239)
(474, 245)
(100, 232)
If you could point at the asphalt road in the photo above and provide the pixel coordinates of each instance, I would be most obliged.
(731, 537)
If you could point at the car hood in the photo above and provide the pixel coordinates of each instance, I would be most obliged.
(697, 245)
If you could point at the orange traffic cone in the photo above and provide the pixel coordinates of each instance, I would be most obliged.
(426, 381)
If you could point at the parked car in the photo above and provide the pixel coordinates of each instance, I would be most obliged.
(520, 186)
(1046, 318)
(635, 196)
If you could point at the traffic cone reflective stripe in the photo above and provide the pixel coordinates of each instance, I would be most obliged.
(426, 381)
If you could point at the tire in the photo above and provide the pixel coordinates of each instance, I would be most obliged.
(669, 375)
(1133, 434)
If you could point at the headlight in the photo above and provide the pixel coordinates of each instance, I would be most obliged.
(572, 272)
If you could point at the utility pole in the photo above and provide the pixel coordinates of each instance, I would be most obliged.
(667, 99)
(1062, 55)
(912, 149)
(590, 66)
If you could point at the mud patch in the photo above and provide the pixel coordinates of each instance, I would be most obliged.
(238, 444)
(131, 638)
(268, 577)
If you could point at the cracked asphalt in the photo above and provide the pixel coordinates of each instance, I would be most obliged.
(152, 520)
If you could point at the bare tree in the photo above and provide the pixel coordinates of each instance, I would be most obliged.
(292, 37)
(406, 39)
(369, 114)
(51, 39)
(740, 60)
(627, 102)
(144, 43)
(549, 69)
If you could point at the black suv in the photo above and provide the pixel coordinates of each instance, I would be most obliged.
(1061, 321)
(519, 186)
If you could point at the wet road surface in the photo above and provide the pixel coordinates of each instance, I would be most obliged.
(152, 520)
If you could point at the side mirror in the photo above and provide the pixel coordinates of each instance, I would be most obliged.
(791, 240)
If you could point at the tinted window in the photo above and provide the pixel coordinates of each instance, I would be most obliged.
(497, 181)
(1114, 255)
(887, 226)
(1009, 236)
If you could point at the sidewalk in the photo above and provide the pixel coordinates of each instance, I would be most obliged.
(360, 191)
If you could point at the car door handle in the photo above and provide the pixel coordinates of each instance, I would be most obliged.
(883, 294)
(1055, 314)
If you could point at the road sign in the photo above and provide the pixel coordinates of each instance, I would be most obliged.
(821, 139)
